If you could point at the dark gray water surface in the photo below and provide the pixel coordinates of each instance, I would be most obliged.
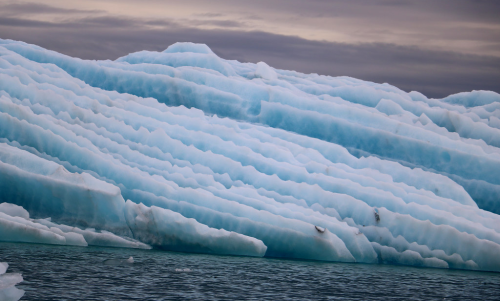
(74, 273)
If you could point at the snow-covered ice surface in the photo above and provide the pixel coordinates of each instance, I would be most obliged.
(185, 151)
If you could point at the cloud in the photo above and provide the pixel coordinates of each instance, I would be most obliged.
(434, 73)
(218, 23)
(209, 15)
(19, 22)
(28, 8)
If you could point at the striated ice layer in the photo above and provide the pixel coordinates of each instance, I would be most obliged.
(171, 231)
(16, 226)
(244, 159)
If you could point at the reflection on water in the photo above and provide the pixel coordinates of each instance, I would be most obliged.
(73, 273)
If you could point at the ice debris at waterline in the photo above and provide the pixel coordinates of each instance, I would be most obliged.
(183, 150)
(8, 290)
(128, 261)
(16, 226)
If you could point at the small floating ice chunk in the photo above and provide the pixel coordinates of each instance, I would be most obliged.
(128, 261)
(8, 291)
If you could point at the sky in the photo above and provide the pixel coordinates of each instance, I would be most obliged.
(437, 47)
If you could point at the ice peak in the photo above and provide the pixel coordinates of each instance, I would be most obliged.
(181, 47)
(264, 71)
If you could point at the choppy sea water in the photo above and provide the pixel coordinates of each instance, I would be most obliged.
(73, 273)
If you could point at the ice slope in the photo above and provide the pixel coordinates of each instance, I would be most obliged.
(243, 159)
(457, 136)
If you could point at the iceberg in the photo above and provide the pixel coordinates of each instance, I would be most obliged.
(182, 150)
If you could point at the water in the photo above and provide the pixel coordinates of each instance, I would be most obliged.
(73, 273)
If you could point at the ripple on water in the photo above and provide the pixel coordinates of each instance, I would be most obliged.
(73, 273)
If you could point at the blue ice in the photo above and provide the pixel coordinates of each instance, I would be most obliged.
(182, 150)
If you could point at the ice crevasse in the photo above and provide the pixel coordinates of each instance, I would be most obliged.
(183, 150)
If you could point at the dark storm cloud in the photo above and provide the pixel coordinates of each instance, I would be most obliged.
(465, 10)
(220, 23)
(434, 73)
(26, 8)
(18, 22)
(209, 15)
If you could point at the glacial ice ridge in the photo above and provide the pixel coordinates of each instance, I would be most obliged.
(185, 151)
